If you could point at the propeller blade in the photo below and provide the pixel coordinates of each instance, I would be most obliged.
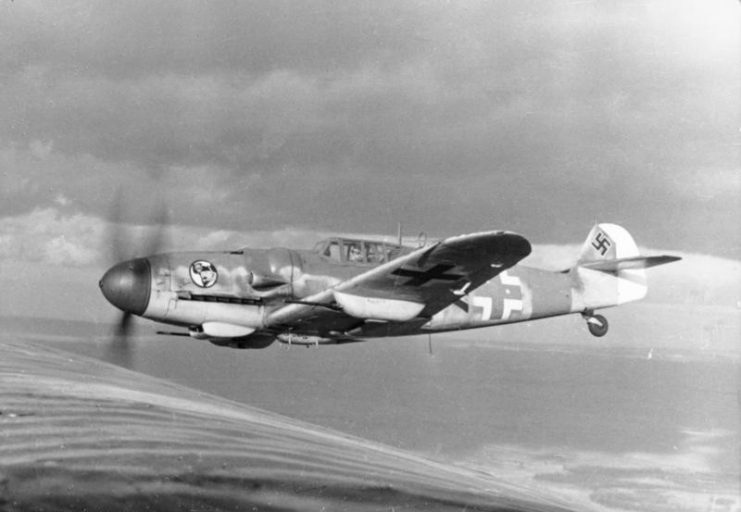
(155, 239)
(122, 247)
(116, 233)
(120, 349)
(123, 327)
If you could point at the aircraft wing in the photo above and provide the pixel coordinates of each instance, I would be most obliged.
(414, 286)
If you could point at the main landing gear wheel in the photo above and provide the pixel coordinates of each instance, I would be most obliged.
(597, 324)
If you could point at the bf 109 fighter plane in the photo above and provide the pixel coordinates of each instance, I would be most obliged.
(350, 289)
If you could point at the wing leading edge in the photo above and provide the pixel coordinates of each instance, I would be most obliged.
(416, 285)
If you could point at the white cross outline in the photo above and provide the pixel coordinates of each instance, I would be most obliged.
(511, 305)
(486, 303)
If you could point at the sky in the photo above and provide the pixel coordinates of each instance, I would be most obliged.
(288, 117)
(277, 122)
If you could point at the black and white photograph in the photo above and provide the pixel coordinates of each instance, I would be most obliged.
(284, 255)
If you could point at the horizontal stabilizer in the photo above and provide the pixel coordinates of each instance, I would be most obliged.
(633, 263)
(611, 270)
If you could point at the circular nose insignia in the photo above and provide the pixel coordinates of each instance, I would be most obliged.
(203, 273)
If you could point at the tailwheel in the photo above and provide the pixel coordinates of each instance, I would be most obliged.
(597, 324)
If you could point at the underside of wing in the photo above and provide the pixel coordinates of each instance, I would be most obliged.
(412, 287)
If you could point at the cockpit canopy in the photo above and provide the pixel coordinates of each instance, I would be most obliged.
(357, 251)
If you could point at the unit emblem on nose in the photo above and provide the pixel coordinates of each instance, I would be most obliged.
(203, 273)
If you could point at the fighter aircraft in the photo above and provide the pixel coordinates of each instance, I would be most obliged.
(353, 289)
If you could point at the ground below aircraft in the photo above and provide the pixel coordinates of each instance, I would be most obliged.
(351, 289)
(79, 434)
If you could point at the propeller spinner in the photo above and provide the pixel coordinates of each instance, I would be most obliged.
(127, 285)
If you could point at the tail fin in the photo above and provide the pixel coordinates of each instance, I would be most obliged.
(611, 270)
(607, 242)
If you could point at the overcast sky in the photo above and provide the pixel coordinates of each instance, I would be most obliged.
(538, 117)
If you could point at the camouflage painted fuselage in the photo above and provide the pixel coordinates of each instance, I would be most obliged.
(252, 283)
(351, 289)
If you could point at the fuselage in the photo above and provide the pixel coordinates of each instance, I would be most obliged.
(243, 287)
(349, 289)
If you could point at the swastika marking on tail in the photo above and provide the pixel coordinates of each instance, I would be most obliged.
(601, 243)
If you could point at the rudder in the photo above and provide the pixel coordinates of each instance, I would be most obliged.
(604, 281)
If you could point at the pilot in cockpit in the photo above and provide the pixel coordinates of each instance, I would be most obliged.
(355, 255)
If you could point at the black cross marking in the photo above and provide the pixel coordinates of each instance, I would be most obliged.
(462, 304)
(601, 243)
(418, 278)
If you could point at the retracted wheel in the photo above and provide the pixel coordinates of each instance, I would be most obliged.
(598, 325)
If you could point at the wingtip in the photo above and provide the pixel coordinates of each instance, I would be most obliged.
(517, 244)
(669, 258)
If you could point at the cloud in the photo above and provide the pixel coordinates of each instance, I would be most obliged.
(38, 176)
(116, 81)
(708, 184)
(693, 477)
(45, 235)
(54, 237)
(139, 37)
(328, 116)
